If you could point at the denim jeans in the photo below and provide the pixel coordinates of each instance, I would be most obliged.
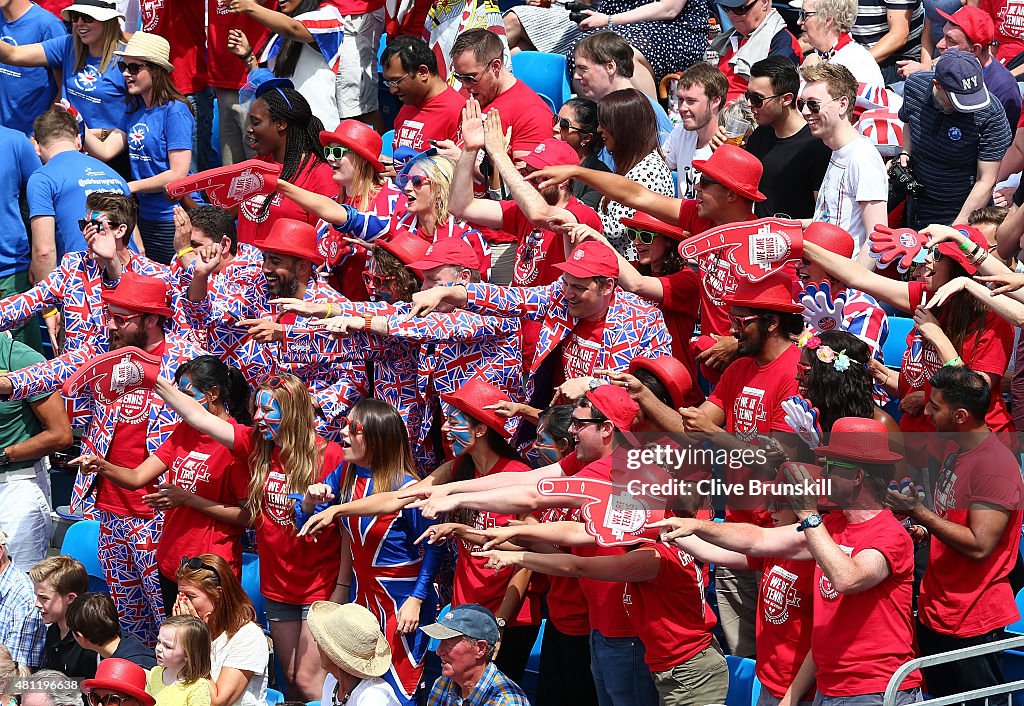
(620, 673)
(203, 155)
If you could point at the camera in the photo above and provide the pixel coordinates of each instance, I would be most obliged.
(902, 181)
(576, 11)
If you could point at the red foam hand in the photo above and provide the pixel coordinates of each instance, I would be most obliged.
(229, 186)
(899, 245)
(333, 247)
(614, 516)
(112, 375)
(756, 249)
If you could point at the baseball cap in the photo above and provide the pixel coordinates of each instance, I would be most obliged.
(591, 259)
(961, 75)
(975, 23)
(448, 251)
(615, 403)
(551, 153)
(467, 620)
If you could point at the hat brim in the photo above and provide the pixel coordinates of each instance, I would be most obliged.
(166, 65)
(726, 180)
(661, 228)
(329, 138)
(111, 298)
(316, 258)
(577, 269)
(422, 265)
(970, 102)
(480, 415)
(793, 308)
(441, 632)
(880, 457)
(100, 14)
(121, 687)
(362, 668)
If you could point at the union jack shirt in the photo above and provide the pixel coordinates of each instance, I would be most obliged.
(326, 26)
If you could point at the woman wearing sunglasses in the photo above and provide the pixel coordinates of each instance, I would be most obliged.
(208, 589)
(827, 24)
(157, 134)
(576, 124)
(285, 457)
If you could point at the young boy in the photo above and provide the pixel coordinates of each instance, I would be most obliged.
(92, 619)
(58, 581)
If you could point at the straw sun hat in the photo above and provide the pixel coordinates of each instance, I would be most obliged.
(351, 637)
(151, 47)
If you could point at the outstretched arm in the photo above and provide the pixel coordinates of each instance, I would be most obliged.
(615, 187)
(638, 565)
(220, 430)
(859, 277)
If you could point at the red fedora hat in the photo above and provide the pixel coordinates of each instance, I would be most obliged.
(644, 221)
(859, 440)
(831, 237)
(358, 137)
(774, 293)
(473, 396)
(673, 375)
(293, 238)
(735, 169)
(408, 248)
(138, 293)
(120, 676)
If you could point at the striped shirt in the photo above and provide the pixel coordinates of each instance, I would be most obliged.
(22, 631)
(873, 23)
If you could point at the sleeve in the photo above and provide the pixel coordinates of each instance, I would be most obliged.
(998, 483)
(27, 159)
(454, 326)
(199, 694)
(22, 357)
(783, 45)
(724, 390)
(365, 226)
(247, 650)
(895, 545)
(40, 195)
(49, 375)
(311, 346)
(197, 314)
(167, 450)
(994, 345)
(512, 218)
(243, 441)
(995, 135)
(56, 49)
(787, 388)
(681, 292)
(18, 307)
(867, 171)
(526, 302)
(334, 481)
(179, 126)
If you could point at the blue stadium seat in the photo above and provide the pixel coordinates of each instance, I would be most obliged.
(274, 697)
(251, 585)
(388, 147)
(744, 686)
(1017, 628)
(434, 642)
(82, 542)
(544, 73)
(531, 674)
(896, 342)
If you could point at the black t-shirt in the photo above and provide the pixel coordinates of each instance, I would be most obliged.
(134, 651)
(793, 170)
(588, 194)
(67, 656)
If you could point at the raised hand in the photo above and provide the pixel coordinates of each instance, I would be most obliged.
(473, 136)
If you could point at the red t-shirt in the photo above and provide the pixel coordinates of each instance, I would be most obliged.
(226, 69)
(1008, 16)
(567, 604)
(681, 308)
(475, 584)
(128, 449)
(581, 350)
(200, 465)
(293, 570)
(55, 6)
(961, 596)
(182, 24)
(438, 119)
(860, 639)
(254, 227)
(669, 612)
(784, 620)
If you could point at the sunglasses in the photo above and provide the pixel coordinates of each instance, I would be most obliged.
(474, 78)
(119, 319)
(417, 180)
(335, 152)
(704, 182)
(804, 15)
(195, 564)
(564, 124)
(394, 82)
(644, 236)
(741, 322)
(756, 100)
(76, 16)
(376, 281)
(278, 382)
(812, 105)
(353, 427)
(111, 699)
(827, 469)
(132, 69)
(741, 10)
(803, 369)
(100, 225)
(578, 423)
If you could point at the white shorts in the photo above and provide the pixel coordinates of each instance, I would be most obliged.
(25, 516)
(357, 76)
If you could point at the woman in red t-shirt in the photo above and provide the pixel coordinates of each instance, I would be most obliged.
(285, 457)
(204, 495)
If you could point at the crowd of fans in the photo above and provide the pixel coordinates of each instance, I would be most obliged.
(412, 379)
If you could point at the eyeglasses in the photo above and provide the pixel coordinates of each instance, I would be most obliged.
(804, 15)
(756, 100)
(474, 78)
(741, 322)
(74, 17)
(936, 254)
(704, 182)
(577, 423)
(132, 69)
(376, 281)
(119, 319)
(831, 465)
(417, 180)
(812, 105)
(741, 10)
(335, 152)
(644, 236)
(395, 82)
(564, 124)
(195, 564)
(100, 225)
(353, 427)
(111, 699)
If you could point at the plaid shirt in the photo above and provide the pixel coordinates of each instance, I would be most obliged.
(494, 688)
(21, 629)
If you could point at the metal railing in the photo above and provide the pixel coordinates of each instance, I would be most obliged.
(945, 657)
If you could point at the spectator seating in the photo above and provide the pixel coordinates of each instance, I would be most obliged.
(82, 542)
(388, 147)
(544, 73)
(275, 697)
(896, 342)
(744, 686)
(251, 585)
(1017, 628)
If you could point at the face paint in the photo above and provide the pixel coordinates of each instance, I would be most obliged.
(545, 447)
(460, 432)
(268, 415)
(186, 386)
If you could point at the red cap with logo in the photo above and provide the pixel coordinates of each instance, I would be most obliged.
(977, 25)
(591, 259)
(615, 403)
(448, 251)
(551, 153)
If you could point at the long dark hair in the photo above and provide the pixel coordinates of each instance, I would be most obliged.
(387, 444)
(629, 117)
(288, 57)
(232, 608)
(839, 394)
(557, 419)
(585, 111)
(207, 372)
(464, 469)
(963, 315)
(302, 137)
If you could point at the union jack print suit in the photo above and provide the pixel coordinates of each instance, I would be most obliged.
(127, 545)
(633, 326)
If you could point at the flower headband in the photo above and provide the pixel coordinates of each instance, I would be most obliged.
(840, 361)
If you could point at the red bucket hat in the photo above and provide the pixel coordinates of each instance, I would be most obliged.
(591, 259)
(294, 238)
(671, 373)
(121, 676)
(358, 137)
(735, 169)
(859, 440)
(448, 251)
(644, 221)
(138, 293)
(830, 237)
(473, 396)
(774, 293)
(408, 248)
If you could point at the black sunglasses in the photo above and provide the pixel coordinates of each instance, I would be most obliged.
(812, 105)
(741, 10)
(195, 564)
(133, 69)
(564, 124)
(756, 100)
(83, 222)
(111, 699)
(74, 17)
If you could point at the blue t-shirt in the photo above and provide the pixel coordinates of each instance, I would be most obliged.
(152, 133)
(19, 160)
(59, 189)
(1003, 87)
(27, 92)
(98, 97)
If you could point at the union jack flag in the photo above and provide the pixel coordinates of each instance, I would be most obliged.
(326, 26)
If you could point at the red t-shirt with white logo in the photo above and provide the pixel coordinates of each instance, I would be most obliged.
(961, 596)
(567, 604)
(1008, 16)
(581, 350)
(182, 24)
(475, 584)
(784, 620)
(198, 464)
(254, 224)
(440, 118)
(860, 639)
(128, 449)
(680, 306)
(293, 569)
(355, 7)
(227, 70)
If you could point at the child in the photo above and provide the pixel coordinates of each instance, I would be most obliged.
(58, 581)
(92, 619)
(182, 672)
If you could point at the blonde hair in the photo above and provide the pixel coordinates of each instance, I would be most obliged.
(365, 184)
(64, 574)
(440, 171)
(838, 80)
(197, 645)
(9, 669)
(301, 451)
(113, 38)
(842, 12)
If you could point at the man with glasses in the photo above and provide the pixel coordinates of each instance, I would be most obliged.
(855, 191)
(782, 140)
(431, 108)
(758, 31)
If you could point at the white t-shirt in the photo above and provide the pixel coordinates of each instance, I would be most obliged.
(247, 650)
(861, 64)
(855, 173)
(680, 152)
(368, 692)
(314, 79)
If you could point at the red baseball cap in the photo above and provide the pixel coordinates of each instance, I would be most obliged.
(975, 23)
(615, 403)
(953, 252)
(591, 259)
(551, 153)
(448, 251)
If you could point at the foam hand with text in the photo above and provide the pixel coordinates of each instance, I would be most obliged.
(756, 249)
(899, 245)
(803, 418)
(823, 310)
(112, 375)
(226, 187)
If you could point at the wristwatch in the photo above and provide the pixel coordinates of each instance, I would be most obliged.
(5, 460)
(812, 520)
(501, 623)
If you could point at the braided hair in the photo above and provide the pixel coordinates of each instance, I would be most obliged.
(302, 137)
